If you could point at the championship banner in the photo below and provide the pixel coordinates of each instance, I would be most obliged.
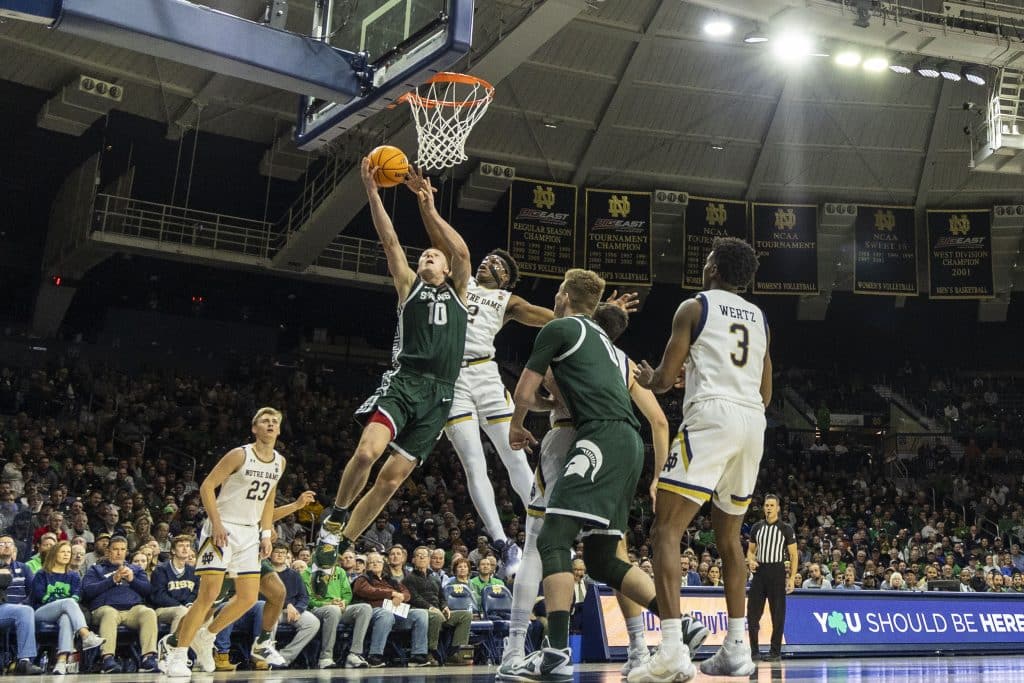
(618, 236)
(786, 241)
(960, 254)
(542, 227)
(707, 219)
(885, 243)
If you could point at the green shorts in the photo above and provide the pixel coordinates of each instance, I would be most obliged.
(415, 407)
(599, 480)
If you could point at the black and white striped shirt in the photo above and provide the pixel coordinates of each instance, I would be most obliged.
(771, 541)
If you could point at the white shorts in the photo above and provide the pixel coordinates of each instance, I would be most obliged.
(480, 395)
(240, 557)
(553, 448)
(716, 454)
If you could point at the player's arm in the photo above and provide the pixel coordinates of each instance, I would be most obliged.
(227, 466)
(304, 499)
(554, 338)
(752, 555)
(655, 416)
(766, 373)
(525, 313)
(684, 322)
(267, 518)
(442, 235)
(525, 396)
(398, 264)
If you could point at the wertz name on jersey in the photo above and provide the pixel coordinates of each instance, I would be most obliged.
(261, 474)
(738, 313)
(431, 295)
(476, 299)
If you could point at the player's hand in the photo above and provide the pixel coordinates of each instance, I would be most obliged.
(752, 564)
(790, 585)
(265, 547)
(653, 492)
(519, 437)
(421, 185)
(305, 498)
(680, 382)
(643, 373)
(220, 536)
(368, 174)
(629, 302)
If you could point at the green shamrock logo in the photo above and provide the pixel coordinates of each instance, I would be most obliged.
(837, 621)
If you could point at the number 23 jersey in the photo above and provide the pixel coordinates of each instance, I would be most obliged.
(244, 492)
(727, 351)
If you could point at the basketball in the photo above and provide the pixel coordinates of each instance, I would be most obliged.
(391, 164)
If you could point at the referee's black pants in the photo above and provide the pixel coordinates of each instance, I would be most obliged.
(769, 583)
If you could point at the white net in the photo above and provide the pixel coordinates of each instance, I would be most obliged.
(445, 111)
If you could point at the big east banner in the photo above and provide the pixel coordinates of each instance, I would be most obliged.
(960, 254)
(618, 236)
(542, 227)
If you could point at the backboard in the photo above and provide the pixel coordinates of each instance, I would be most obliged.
(405, 42)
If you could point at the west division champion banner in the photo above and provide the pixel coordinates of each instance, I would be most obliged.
(886, 251)
(542, 227)
(707, 219)
(786, 241)
(960, 254)
(618, 237)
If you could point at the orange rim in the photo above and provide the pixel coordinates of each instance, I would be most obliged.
(450, 77)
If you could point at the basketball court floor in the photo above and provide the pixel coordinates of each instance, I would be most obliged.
(1000, 668)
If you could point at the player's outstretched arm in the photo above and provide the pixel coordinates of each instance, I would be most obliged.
(766, 374)
(655, 416)
(525, 313)
(525, 395)
(398, 264)
(304, 499)
(442, 235)
(227, 466)
(661, 379)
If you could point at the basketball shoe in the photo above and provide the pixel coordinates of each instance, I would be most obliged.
(730, 660)
(545, 665)
(329, 544)
(664, 666)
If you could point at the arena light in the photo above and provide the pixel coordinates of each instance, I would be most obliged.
(848, 58)
(756, 36)
(926, 68)
(902, 65)
(718, 27)
(950, 71)
(973, 74)
(792, 47)
(876, 64)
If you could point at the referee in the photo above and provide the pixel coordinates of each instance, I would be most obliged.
(770, 541)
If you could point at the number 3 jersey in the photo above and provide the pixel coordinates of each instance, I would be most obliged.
(243, 494)
(727, 351)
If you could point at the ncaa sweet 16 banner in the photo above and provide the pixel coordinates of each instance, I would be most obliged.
(786, 242)
(707, 219)
(885, 243)
(618, 236)
(960, 254)
(542, 227)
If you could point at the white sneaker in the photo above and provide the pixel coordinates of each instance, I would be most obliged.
(731, 660)
(266, 651)
(546, 665)
(326, 663)
(354, 661)
(636, 658)
(694, 633)
(92, 641)
(664, 667)
(202, 645)
(175, 663)
(511, 657)
(60, 668)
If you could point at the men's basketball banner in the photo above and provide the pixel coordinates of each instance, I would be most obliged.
(960, 254)
(786, 241)
(885, 243)
(542, 227)
(707, 219)
(618, 236)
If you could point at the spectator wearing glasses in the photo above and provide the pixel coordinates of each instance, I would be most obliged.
(15, 612)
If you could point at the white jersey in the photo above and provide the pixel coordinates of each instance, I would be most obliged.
(486, 316)
(244, 493)
(727, 351)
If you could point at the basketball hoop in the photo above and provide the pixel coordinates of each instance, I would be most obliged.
(445, 109)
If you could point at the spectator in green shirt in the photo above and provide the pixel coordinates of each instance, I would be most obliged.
(336, 607)
(484, 579)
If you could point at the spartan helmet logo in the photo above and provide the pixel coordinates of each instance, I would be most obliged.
(543, 197)
(885, 220)
(715, 214)
(785, 219)
(618, 206)
(587, 459)
(959, 224)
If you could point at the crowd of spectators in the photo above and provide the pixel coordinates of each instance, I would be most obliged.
(110, 463)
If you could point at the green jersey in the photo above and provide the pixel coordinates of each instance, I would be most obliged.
(431, 333)
(586, 366)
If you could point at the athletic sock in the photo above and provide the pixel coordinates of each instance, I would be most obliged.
(734, 636)
(558, 629)
(263, 636)
(671, 636)
(172, 640)
(516, 641)
(637, 634)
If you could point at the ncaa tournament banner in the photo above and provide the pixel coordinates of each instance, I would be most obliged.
(542, 227)
(885, 245)
(786, 241)
(618, 236)
(960, 254)
(706, 219)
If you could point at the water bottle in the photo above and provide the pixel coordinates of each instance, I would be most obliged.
(43, 661)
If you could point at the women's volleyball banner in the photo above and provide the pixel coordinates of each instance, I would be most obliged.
(786, 241)
(542, 227)
(618, 236)
(960, 254)
(707, 219)
(885, 243)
